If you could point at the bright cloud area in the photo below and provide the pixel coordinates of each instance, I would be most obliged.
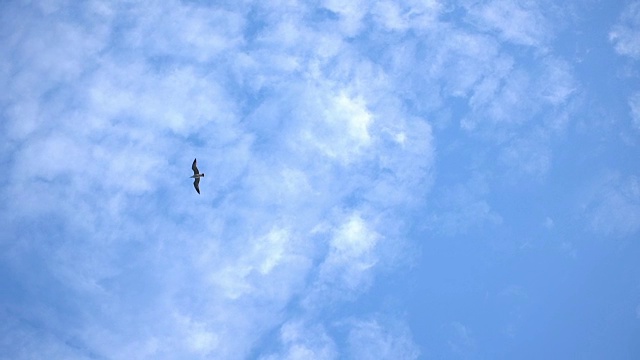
(416, 179)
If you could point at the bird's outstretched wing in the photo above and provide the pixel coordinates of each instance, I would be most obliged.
(194, 167)
(196, 184)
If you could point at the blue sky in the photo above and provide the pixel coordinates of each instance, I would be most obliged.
(413, 179)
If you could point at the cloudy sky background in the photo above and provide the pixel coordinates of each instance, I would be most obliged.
(384, 179)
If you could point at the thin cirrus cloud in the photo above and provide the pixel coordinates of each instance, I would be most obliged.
(317, 126)
(519, 22)
(613, 206)
(298, 209)
(624, 35)
(624, 38)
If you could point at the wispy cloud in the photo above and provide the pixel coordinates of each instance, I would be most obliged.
(372, 339)
(301, 340)
(520, 22)
(317, 126)
(307, 156)
(613, 205)
(625, 35)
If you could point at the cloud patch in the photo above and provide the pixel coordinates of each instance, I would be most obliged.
(309, 158)
(519, 22)
(613, 207)
(625, 34)
(371, 339)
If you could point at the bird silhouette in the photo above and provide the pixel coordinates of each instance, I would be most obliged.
(196, 176)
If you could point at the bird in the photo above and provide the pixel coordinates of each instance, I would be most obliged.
(196, 176)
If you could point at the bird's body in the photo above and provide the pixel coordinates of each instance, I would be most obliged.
(196, 175)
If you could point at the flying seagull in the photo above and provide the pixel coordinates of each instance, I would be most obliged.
(196, 176)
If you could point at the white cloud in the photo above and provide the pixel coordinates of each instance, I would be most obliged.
(42, 86)
(300, 340)
(312, 125)
(343, 130)
(106, 110)
(520, 110)
(625, 35)
(351, 256)
(370, 339)
(389, 14)
(350, 14)
(198, 339)
(272, 267)
(162, 101)
(181, 30)
(520, 22)
(512, 96)
(513, 105)
(401, 16)
(612, 206)
(463, 60)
